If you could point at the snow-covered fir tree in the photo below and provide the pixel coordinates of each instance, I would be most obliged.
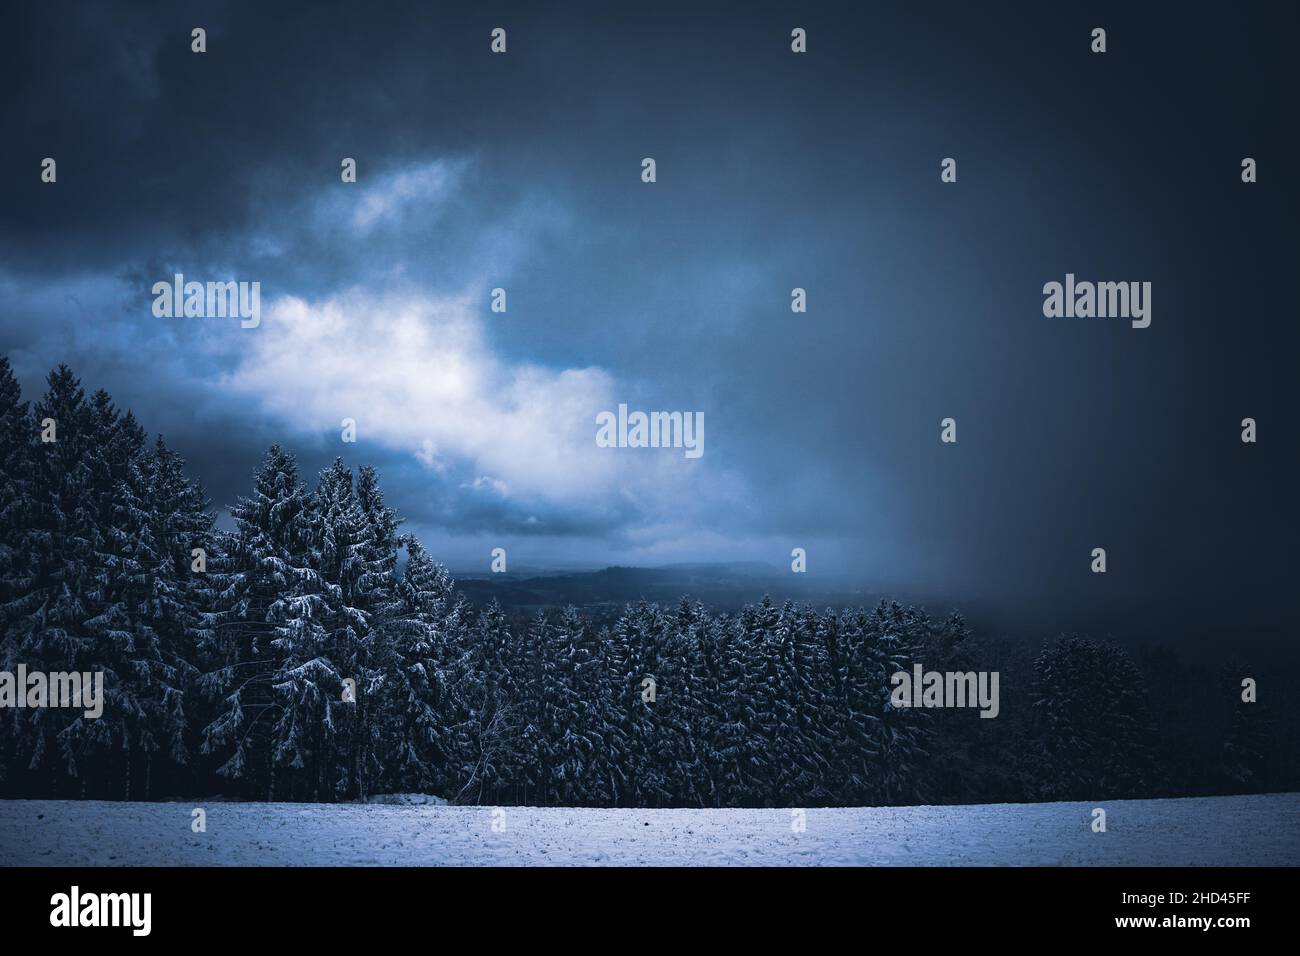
(494, 705)
(1248, 739)
(260, 598)
(18, 432)
(61, 547)
(1095, 730)
(423, 740)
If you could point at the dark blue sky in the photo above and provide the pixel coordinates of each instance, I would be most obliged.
(775, 170)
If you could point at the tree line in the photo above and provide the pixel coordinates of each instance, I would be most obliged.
(315, 652)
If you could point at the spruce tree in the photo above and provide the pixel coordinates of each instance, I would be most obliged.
(638, 637)
(18, 432)
(567, 711)
(263, 564)
(1095, 734)
(60, 546)
(169, 592)
(424, 742)
(17, 507)
(495, 710)
(1245, 763)
(126, 647)
(733, 750)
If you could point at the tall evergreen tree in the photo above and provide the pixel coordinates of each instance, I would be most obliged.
(567, 720)
(679, 747)
(494, 706)
(168, 591)
(732, 757)
(257, 588)
(17, 507)
(425, 741)
(638, 638)
(326, 639)
(61, 544)
(1095, 732)
(375, 554)
(17, 544)
(1247, 748)
(126, 647)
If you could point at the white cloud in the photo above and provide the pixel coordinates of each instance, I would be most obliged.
(417, 374)
(416, 371)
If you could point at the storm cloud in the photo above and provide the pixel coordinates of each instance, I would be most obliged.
(775, 171)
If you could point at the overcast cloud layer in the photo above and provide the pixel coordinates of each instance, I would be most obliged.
(774, 171)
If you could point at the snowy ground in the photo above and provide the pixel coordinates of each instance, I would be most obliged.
(1254, 830)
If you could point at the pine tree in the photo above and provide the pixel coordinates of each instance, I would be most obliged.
(953, 767)
(425, 739)
(1095, 733)
(375, 555)
(494, 709)
(638, 638)
(601, 682)
(569, 731)
(327, 639)
(48, 630)
(90, 586)
(17, 517)
(168, 594)
(1246, 750)
(263, 564)
(17, 507)
(789, 711)
(788, 678)
(876, 750)
(901, 735)
(726, 692)
(809, 770)
(125, 646)
(533, 768)
(679, 747)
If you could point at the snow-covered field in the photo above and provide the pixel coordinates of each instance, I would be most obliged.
(1251, 830)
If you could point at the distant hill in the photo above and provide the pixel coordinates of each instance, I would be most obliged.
(721, 586)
